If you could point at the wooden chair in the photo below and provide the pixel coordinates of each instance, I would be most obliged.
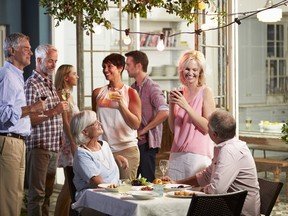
(229, 204)
(269, 192)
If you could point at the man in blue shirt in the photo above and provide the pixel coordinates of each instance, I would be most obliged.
(14, 122)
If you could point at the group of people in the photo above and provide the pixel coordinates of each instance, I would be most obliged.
(119, 138)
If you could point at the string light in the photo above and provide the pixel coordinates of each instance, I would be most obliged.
(214, 25)
(160, 45)
(127, 39)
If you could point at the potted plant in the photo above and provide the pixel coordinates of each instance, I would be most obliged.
(285, 132)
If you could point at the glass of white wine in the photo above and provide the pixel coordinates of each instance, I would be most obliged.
(164, 165)
(65, 94)
(124, 186)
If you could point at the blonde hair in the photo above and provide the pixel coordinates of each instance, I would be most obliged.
(62, 71)
(185, 60)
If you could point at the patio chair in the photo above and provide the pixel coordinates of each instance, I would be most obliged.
(72, 189)
(269, 192)
(229, 204)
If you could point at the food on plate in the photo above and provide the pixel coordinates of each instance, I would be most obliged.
(112, 186)
(140, 182)
(159, 181)
(146, 188)
(183, 193)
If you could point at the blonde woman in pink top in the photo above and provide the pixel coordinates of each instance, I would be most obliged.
(192, 148)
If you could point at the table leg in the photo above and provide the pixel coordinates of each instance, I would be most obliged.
(276, 175)
(286, 185)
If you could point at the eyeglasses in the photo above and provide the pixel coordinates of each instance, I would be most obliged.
(95, 124)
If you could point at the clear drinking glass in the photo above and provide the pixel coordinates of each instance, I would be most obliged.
(164, 165)
(124, 186)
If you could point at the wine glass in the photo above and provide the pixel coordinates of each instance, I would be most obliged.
(124, 186)
(65, 94)
(163, 165)
(43, 98)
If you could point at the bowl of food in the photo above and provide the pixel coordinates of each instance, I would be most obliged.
(271, 126)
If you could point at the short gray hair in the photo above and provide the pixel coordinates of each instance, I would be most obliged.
(79, 122)
(223, 123)
(13, 41)
(42, 50)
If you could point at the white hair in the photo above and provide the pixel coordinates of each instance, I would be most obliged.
(79, 122)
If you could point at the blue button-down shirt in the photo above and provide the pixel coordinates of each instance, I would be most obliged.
(12, 98)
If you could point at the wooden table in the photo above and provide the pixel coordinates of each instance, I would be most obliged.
(279, 147)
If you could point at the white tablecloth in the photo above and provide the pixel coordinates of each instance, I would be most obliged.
(116, 205)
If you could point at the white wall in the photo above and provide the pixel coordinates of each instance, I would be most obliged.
(251, 5)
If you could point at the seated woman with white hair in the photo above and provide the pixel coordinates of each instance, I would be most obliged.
(93, 163)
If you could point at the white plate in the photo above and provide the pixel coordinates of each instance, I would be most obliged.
(172, 194)
(107, 188)
(144, 195)
(176, 187)
(138, 188)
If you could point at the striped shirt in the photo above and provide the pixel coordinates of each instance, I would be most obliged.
(46, 135)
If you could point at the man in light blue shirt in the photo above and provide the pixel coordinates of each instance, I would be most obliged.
(14, 122)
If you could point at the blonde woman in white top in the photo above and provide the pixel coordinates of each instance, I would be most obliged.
(66, 78)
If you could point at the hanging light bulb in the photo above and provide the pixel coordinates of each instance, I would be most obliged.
(269, 15)
(160, 45)
(201, 5)
(127, 40)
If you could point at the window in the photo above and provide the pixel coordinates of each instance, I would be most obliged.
(263, 86)
(276, 60)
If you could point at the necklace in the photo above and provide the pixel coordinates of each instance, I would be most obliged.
(99, 155)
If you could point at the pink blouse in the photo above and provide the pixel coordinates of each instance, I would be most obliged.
(187, 137)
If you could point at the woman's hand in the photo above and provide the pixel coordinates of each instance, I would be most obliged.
(176, 97)
(122, 162)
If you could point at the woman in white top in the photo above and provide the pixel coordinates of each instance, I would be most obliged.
(66, 78)
(118, 107)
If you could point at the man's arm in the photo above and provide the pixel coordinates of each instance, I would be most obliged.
(160, 117)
